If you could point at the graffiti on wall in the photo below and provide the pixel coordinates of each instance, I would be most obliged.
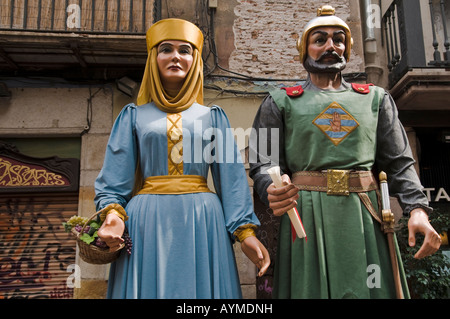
(35, 252)
(267, 234)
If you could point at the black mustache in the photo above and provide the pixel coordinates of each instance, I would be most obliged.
(330, 54)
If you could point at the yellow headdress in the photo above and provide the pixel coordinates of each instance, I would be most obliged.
(151, 87)
(325, 17)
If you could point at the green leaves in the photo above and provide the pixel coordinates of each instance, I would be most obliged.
(88, 239)
(89, 236)
(429, 277)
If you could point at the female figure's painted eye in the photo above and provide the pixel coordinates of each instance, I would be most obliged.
(165, 49)
(185, 50)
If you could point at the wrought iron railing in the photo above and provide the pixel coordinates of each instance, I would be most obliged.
(415, 37)
(79, 16)
(442, 25)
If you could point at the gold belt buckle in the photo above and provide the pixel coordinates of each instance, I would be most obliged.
(337, 182)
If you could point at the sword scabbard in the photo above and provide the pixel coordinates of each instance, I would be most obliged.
(388, 228)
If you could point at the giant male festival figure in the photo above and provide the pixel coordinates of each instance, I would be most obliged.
(332, 136)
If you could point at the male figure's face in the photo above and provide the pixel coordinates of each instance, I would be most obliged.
(325, 51)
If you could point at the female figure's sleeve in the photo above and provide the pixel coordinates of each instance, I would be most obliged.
(394, 156)
(229, 176)
(114, 184)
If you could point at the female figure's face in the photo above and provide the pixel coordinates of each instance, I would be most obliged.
(174, 61)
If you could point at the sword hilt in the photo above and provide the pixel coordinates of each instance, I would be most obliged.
(383, 177)
(387, 214)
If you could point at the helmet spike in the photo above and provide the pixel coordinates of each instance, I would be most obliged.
(326, 10)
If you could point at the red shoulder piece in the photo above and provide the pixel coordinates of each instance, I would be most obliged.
(361, 88)
(295, 91)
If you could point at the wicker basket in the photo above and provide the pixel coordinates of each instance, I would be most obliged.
(93, 254)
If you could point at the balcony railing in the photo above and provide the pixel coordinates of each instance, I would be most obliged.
(79, 16)
(416, 36)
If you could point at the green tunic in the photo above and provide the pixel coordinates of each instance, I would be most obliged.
(346, 254)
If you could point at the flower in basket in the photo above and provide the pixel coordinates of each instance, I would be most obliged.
(89, 231)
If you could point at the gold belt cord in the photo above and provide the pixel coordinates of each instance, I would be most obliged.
(175, 144)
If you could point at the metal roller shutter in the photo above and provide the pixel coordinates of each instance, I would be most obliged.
(35, 251)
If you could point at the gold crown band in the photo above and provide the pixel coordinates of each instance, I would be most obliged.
(174, 29)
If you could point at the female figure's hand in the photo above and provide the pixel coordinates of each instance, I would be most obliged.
(111, 232)
(257, 253)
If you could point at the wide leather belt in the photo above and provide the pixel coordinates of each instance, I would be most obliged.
(335, 182)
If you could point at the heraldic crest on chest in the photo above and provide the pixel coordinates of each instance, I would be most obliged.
(336, 123)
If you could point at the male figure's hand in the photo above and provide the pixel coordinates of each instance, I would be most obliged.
(418, 223)
(283, 198)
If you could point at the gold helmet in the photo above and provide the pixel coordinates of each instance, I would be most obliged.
(325, 17)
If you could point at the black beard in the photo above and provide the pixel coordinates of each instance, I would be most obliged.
(315, 66)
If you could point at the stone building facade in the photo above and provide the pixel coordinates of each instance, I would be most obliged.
(266, 33)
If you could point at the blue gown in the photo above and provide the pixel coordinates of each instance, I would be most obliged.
(182, 244)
